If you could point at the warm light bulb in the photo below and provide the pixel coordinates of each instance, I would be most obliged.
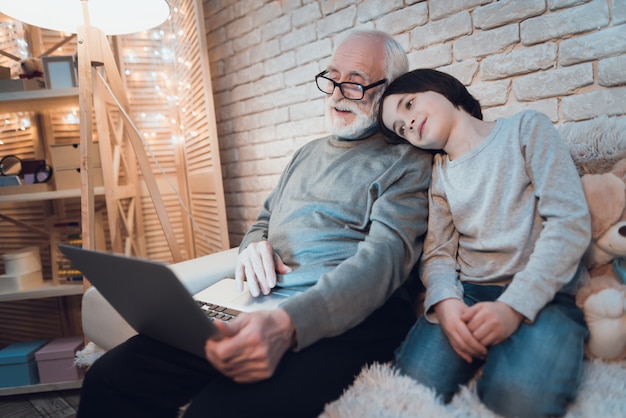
(113, 17)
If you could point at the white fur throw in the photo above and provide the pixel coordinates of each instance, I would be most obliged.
(596, 145)
(379, 392)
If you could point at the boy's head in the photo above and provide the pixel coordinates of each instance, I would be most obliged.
(425, 80)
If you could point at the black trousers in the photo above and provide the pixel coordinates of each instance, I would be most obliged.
(144, 378)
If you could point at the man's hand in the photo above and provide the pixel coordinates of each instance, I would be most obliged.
(450, 313)
(251, 345)
(258, 264)
(492, 322)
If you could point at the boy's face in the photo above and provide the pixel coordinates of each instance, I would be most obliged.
(424, 119)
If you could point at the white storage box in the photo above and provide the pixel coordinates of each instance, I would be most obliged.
(15, 283)
(23, 270)
(22, 261)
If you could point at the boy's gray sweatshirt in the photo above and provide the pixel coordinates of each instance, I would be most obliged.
(511, 212)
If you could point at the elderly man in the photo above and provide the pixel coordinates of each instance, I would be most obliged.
(345, 224)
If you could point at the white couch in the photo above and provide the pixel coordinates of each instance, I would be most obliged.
(103, 326)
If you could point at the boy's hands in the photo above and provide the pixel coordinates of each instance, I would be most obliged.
(450, 313)
(491, 322)
(471, 330)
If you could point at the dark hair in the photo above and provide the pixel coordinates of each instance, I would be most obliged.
(423, 80)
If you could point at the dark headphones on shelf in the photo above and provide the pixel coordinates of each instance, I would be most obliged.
(12, 165)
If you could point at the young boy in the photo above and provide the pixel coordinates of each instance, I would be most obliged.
(508, 225)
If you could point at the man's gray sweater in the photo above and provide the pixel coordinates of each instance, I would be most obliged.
(349, 218)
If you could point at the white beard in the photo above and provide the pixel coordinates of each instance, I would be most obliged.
(353, 130)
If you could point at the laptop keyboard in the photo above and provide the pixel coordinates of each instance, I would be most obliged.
(217, 312)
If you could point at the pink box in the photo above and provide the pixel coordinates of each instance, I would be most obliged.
(55, 360)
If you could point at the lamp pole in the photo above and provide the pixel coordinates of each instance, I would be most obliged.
(85, 102)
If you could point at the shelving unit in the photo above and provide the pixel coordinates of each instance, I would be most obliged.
(40, 101)
(48, 290)
(36, 192)
(40, 387)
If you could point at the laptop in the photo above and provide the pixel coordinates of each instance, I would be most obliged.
(149, 296)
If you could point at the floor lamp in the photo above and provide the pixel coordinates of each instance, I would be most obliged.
(92, 20)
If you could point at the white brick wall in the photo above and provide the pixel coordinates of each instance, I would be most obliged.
(566, 58)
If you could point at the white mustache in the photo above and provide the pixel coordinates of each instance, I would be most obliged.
(344, 105)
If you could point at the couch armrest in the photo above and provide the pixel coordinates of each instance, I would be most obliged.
(198, 273)
(106, 328)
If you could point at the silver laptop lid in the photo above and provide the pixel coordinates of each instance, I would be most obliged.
(148, 296)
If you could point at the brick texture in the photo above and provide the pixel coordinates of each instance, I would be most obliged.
(565, 58)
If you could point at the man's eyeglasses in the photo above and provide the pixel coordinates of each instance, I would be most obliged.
(351, 91)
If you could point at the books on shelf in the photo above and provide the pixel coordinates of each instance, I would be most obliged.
(68, 232)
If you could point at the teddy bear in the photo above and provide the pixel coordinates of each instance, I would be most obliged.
(603, 298)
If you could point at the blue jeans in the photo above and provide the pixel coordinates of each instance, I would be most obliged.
(534, 373)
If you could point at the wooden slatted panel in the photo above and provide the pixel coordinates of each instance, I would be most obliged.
(65, 126)
(10, 35)
(18, 134)
(146, 85)
(146, 77)
(50, 38)
(156, 245)
(197, 116)
(194, 119)
(206, 210)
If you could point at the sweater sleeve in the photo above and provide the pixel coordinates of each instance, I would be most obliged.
(561, 204)
(438, 263)
(347, 294)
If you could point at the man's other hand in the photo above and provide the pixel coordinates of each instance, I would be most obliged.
(258, 265)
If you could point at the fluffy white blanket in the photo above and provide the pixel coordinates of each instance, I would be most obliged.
(379, 392)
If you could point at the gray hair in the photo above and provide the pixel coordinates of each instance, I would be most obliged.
(396, 61)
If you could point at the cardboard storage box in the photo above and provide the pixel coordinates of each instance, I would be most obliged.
(66, 165)
(5, 73)
(19, 84)
(66, 156)
(70, 178)
(17, 363)
(55, 360)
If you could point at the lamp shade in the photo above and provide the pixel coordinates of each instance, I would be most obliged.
(113, 17)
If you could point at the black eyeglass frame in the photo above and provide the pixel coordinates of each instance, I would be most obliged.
(361, 87)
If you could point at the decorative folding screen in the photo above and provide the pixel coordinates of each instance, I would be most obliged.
(168, 82)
